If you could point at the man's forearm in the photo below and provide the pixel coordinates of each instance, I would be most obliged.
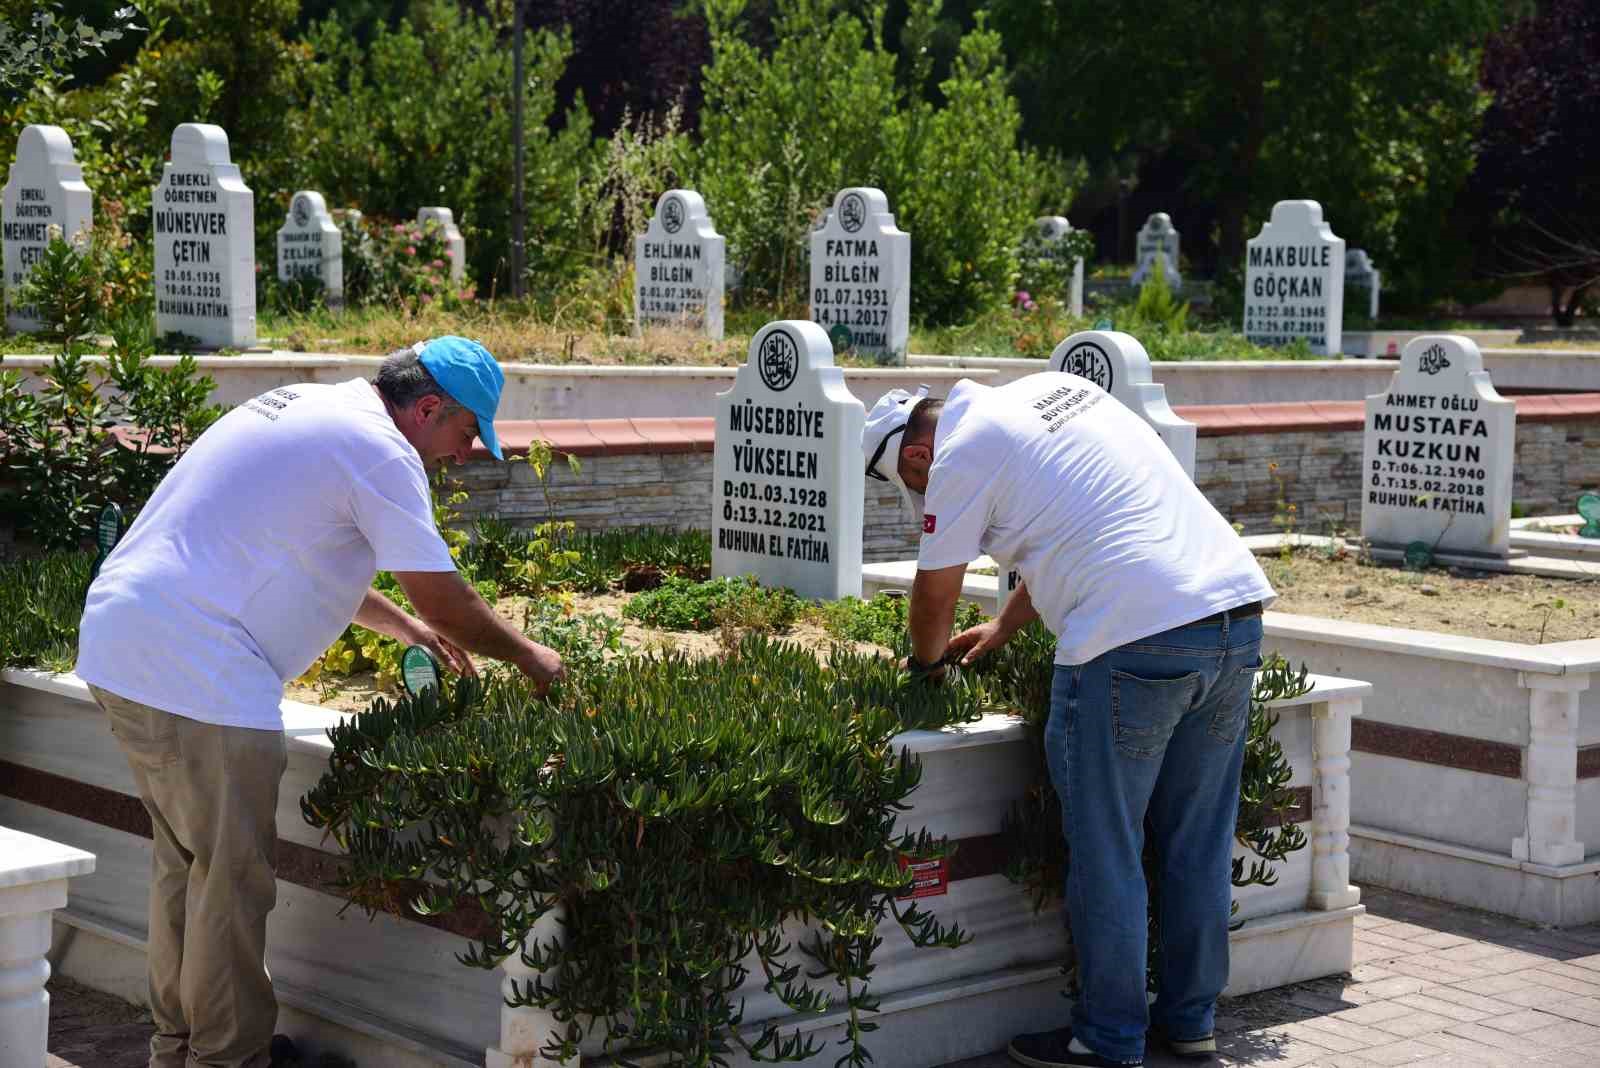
(931, 615)
(473, 625)
(378, 613)
(1018, 611)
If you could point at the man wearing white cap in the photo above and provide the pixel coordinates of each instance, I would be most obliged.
(1156, 605)
(255, 552)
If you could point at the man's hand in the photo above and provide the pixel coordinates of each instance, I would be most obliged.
(543, 665)
(445, 652)
(454, 611)
(973, 642)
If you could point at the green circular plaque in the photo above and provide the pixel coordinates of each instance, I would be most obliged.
(1418, 555)
(1589, 508)
(108, 529)
(841, 337)
(418, 670)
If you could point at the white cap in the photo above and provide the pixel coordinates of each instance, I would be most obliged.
(885, 424)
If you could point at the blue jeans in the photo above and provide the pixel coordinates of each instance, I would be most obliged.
(1155, 728)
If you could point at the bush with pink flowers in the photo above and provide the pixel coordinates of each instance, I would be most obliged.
(398, 265)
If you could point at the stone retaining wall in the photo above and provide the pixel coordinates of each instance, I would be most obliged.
(658, 472)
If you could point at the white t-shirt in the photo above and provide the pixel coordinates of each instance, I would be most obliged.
(1058, 481)
(254, 553)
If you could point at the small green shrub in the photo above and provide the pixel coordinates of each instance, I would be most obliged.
(394, 264)
(882, 619)
(680, 604)
(603, 557)
(60, 462)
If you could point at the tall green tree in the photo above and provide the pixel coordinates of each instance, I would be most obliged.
(422, 115)
(1368, 106)
(817, 101)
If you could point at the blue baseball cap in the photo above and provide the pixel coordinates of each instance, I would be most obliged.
(466, 370)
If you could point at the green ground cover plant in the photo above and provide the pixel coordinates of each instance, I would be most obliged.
(881, 619)
(41, 601)
(680, 604)
(679, 812)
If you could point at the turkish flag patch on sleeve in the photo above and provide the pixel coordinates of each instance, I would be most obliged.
(928, 523)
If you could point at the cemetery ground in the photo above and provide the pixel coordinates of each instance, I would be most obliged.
(1433, 984)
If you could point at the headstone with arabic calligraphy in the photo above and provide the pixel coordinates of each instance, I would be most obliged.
(788, 492)
(861, 277)
(310, 246)
(1437, 454)
(678, 267)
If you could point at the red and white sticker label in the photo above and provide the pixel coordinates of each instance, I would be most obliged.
(928, 523)
(929, 878)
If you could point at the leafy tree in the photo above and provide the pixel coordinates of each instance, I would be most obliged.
(422, 115)
(1368, 107)
(39, 43)
(1540, 152)
(781, 133)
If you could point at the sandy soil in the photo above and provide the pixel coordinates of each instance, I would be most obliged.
(1511, 608)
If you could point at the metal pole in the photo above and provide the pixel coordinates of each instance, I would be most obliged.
(518, 214)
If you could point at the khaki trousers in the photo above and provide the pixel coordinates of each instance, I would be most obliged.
(212, 795)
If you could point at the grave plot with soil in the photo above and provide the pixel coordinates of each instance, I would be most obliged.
(1339, 583)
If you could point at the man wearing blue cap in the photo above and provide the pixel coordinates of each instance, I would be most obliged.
(255, 552)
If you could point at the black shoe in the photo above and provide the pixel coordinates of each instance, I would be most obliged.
(1049, 1049)
(1203, 1048)
(283, 1053)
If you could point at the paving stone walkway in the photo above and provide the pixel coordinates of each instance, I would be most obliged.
(1433, 985)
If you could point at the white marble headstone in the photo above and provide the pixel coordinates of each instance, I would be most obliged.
(1052, 231)
(1119, 364)
(455, 247)
(1294, 279)
(678, 267)
(1157, 247)
(788, 492)
(1360, 273)
(861, 276)
(310, 246)
(205, 242)
(44, 197)
(1437, 455)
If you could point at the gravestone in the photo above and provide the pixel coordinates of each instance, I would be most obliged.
(1050, 231)
(1359, 273)
(204, 226)
(861, 277)
(1157, 247)
(44, 197)
(1437, 453)
(455, 247)
(678, 264)
(1119, 364)
(310, 246)
(1294, 279)
(788, 492)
